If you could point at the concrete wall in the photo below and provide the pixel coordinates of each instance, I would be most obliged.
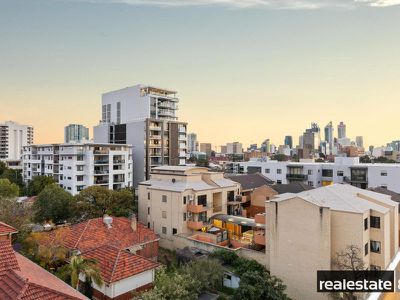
(296, 255)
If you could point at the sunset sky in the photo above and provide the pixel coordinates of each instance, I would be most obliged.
(245, 70)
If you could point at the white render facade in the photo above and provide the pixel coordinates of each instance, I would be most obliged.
(77, 166)
(13, 137)
(343, 170)
(145, 117)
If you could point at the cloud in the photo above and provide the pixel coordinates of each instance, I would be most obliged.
(275, 4)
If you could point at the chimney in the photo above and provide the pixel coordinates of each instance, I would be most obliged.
(107, 220)
(133, 222)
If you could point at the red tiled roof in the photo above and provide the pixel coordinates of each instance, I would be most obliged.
(6, 229)
(116, 264)
(93, 233)
(22, 279)
(8, 260)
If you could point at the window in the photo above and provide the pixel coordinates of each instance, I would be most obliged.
(164, 230)
(148, 225)
(79, 178)
(148, 210)
(202, 200)
(108, 113)
(383, 173)
(164, 198)
(309, 172)
(203, 216)
(104, 113)
(164, 214)
(69, 168)
(79, 168)
(184, 200)
(339, 173)
(366, 249)
(69, 178)
(375, 222)
(278, 171)
(327, 173)
(184, 216)
(279, 181)
(174, 231)
(375, 247)
(267, 171)
(365, 223)
(148, 195)
(310, 183)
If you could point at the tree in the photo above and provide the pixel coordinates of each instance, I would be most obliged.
(349, 259)
(8, 189)
(171, 286)
(37, 185)
(53, 204)
(207, 273)
(365, 159)
(259, 286)
(95, 201)
(86, 267)
(47, 250)
(14, 213)
(14, 176)
(383, 159)
(202, 163)
(280, 157)
(3, 167)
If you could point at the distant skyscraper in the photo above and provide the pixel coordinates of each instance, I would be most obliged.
(252, 147)
(193, 145)
(266, 146)
(360, 141)
(206, 148)
(13, 137)
(328, 130)
(234, 148)
(312, 138)
(341, 130)
(289, 141)
(76, 133)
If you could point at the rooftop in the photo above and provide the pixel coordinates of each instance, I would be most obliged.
(342, 197)
(6, 229)
(93, 233)
(293, 187)
(22, 279)
(116, 264)
(251, 181)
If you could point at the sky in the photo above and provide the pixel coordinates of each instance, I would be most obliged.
(245, 70)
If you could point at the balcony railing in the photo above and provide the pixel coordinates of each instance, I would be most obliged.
(101, 181)
(259, 237)
(101, 162)
(195, 225)
(196, 208)
(299, 177)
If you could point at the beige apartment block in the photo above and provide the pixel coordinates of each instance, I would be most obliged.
(305, 231)
(182, 199)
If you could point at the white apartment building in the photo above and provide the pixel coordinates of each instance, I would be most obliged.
(343, 170)
(13, 137)
(77, 166)
(145, 117)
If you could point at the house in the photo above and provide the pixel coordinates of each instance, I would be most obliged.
(126, 253)
(22, 279)
(256, 189)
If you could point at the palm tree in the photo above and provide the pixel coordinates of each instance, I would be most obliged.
(87, 267)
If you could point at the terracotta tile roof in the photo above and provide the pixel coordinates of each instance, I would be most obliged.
(116, 264)
(93, 233)
(8, 260)
(6, 229)
(22, 279)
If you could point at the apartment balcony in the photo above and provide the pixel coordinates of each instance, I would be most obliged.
(101, 162)
(119, 161)
(100, 152)
(259, 237)
(155, 137)
(296, 177)
(195, 225)
(196, 208)
(155, 128)
(101, 172)
(151, 145)
(101, 181)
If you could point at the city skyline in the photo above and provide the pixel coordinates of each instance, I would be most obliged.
(271, 77)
